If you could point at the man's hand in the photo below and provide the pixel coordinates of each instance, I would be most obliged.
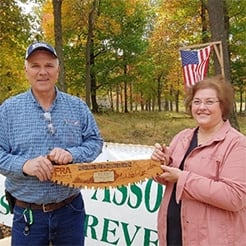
(39, 167)
(60, 156)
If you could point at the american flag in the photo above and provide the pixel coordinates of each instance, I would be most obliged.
(195, 64)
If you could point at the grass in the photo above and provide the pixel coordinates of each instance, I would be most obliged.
(146, 128)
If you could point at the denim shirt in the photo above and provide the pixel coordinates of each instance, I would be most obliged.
(26, 133)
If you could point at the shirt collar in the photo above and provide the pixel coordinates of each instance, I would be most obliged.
(34, 100)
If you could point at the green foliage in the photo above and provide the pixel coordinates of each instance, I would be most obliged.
(118, 42)
(122, 38)
(13, 36)
(237, 19)
(134, 42)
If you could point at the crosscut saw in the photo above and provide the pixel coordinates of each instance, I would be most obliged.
(105, 174)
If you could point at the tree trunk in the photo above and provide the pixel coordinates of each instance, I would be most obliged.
(89, 52)
(125, 90)
(131, 96)
(57, 5)
(93, 80)
(219, 25)
(159, 90)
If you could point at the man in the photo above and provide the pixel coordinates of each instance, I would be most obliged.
(40, 127)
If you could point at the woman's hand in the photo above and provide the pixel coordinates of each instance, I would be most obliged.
(170, 174)
(161, 153)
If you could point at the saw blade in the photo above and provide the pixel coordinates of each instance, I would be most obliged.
(105, 174)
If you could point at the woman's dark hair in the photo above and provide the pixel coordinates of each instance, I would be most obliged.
(224, 91)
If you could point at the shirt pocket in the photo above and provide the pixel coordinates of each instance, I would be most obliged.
(205, 233)
(72, 132)
(208, 166)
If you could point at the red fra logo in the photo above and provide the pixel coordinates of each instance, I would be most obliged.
(62, 171)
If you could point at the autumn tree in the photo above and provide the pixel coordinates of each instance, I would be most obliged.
(57, 13)
(133, 48)
(176, 24)
(237, 44)
(90, 59)
(123, 37)
(14, 33)
(219, 26)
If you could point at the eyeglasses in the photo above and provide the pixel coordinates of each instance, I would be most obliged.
(208, 102)
(51, 128)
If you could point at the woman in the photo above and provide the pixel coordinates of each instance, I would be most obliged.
(205, 174)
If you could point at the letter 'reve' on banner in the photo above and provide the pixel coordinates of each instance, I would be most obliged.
(123, 216)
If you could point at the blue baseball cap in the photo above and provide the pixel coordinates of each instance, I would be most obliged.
(40, 46)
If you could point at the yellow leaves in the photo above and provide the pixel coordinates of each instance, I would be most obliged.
(48, 20)
(108, 24)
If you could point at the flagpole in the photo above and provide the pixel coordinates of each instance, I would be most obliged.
(219, 53)
(199, 45)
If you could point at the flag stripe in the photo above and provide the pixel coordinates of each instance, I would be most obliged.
(195, 64)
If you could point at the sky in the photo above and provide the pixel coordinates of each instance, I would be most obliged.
(26, 7)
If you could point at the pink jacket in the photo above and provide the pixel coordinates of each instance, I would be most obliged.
(212, 188)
